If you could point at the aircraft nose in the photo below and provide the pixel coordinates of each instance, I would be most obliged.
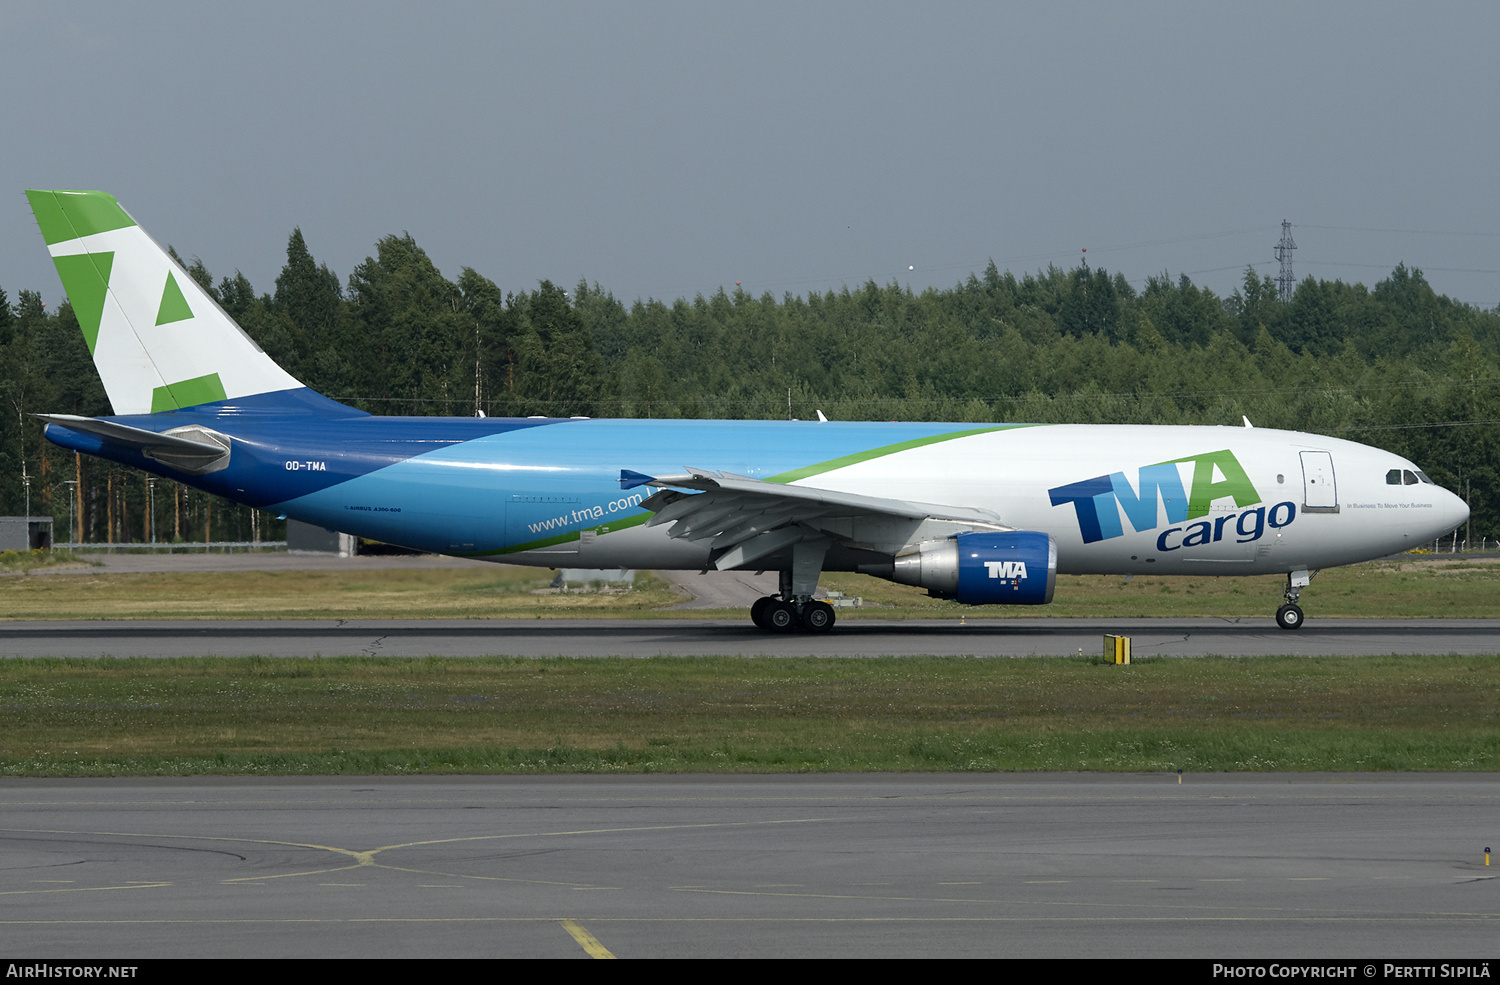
(1448, 514)
(1456, 509)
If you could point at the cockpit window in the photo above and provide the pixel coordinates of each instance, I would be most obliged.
(1409, 477)
(1393, 477)
(1423, 476)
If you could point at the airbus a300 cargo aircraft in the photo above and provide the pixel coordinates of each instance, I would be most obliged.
(979, 514)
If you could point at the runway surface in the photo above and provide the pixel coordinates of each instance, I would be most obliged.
(720, 866)
(670, 637)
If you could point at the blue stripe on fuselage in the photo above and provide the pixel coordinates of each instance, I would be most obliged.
(295, 444)
(519, 487)
(473, 484)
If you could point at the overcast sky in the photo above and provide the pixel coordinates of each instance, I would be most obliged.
(667, 149)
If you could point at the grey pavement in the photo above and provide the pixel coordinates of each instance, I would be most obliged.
(986, 865)
(688, 637)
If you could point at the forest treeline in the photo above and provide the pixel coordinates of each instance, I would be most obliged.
(1398, 366)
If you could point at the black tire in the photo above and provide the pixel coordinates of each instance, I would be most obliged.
(781, 617)
(758, 611)
(817, 617)
(1289, 617)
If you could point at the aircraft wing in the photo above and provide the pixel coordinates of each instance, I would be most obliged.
(745, 519)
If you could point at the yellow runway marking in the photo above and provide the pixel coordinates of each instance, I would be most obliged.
(586, 940)
(466, 875)
(1026, 919)
(286, 875)
(82, 889)
(1329, 912)
(367, 857)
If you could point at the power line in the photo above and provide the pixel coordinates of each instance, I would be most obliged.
(1003, 263)
(1120, 395)
(1386, 266)
(1405, 232)
(1399, 427)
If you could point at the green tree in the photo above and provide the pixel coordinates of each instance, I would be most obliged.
(305, 308)
(558, 373)
(492, 318)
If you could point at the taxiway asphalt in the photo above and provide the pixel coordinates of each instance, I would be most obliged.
(1216, 866)
(683, 637)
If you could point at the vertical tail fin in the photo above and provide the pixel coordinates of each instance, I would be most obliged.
(159, 341)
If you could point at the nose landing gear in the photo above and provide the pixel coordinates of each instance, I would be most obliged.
(1289, 616)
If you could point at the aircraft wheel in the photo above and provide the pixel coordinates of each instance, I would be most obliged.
(1289, 617)
(817, 617)
(758, 611)
(781, 617)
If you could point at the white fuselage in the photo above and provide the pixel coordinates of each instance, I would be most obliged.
(1311, 501)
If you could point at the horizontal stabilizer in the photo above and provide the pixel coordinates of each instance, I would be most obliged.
(193, 449)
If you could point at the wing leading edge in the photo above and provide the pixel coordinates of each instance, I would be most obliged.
(746, 520)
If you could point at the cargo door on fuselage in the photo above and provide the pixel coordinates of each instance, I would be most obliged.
(1320, 492)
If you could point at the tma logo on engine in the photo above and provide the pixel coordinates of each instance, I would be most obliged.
(1160, 490)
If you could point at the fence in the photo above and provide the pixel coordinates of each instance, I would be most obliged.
(227, 546)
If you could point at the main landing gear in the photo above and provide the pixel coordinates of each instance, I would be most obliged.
(780, 615)
(793, 608)
(1289, 616)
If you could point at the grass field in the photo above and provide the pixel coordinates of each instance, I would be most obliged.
(1414, 588)
(22, 562)
(488, 591)
(502, 715)
(391, 716)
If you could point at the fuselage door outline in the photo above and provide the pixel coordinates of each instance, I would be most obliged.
(1319, 488)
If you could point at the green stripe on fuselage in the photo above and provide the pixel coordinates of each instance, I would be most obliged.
(536, 545)
(793, 476)
(864, 456)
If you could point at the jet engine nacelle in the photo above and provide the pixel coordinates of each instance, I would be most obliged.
(1018, 567)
